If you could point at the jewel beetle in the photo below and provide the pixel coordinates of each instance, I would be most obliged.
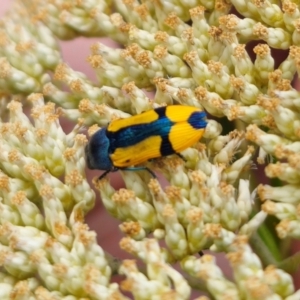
(126, 143)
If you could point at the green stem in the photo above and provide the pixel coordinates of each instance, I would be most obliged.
(260, 248)
(267, 234)
(290, 264)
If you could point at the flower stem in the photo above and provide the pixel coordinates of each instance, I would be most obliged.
(260, 248)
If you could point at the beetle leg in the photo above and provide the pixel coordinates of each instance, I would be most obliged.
(151, 172)
(114, 169)
(103, 174)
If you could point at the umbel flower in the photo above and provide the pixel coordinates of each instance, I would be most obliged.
(192, 53)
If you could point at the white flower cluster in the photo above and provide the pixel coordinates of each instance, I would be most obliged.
(42, 230)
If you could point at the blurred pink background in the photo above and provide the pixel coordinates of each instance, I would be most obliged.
(98, 219)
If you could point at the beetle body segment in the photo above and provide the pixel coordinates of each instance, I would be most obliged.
(155, 133)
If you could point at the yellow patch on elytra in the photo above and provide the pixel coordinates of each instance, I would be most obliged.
(143, 118)
(138, 153)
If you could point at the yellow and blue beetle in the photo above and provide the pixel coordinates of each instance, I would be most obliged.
(125, 143)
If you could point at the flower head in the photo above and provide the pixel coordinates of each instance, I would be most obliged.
(186, 54)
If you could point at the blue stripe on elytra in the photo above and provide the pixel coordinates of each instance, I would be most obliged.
(197, 119)
(134, 134)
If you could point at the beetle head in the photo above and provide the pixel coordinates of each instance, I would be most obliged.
(96, 151)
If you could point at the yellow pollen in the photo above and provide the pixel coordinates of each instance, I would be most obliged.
(215, 32)
(118, 21)
(60, 73)
(13, 156)
(18, 198)
(60, 269)
(14, 106)
(194, 215)
(20, 290)
(182, 93)
(237, 83)
(234, 113)
(197, 12)
(160, 52)
(5, 68)
(161, 83)
(235, 258)
(46, 191)
(269, 207)
(173, 193)
(129, 88)
(289, 7)
(188, 34)
(252, 133)
(122, 196)
(41, 133)
(24, 46)
(198, 177)
(142, 11)
(133, 49)
(229, 21)
(3, 39)
(154, 186)
(87, 237)
(127, 285)
(257, 289)
(172, 20)
(161, 36)
(96, 61)
(223, 5)
(283, 228)
(62, 229)
(4, 182)
(269, 121)
(168, 211)
(294, 160)
(74, 178)
(191, 57)
(240, 52)
(127, 245)
(76, 85)
(259, 3)
(263, 192)
(261, 50)
(80, 139)
(227, 189)
(143, 58)
(215, 67)
(200, 93)
(131, 228)
(129, 3)
(69, 154)
(212, 230)
(297, 25)
(260, 31)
